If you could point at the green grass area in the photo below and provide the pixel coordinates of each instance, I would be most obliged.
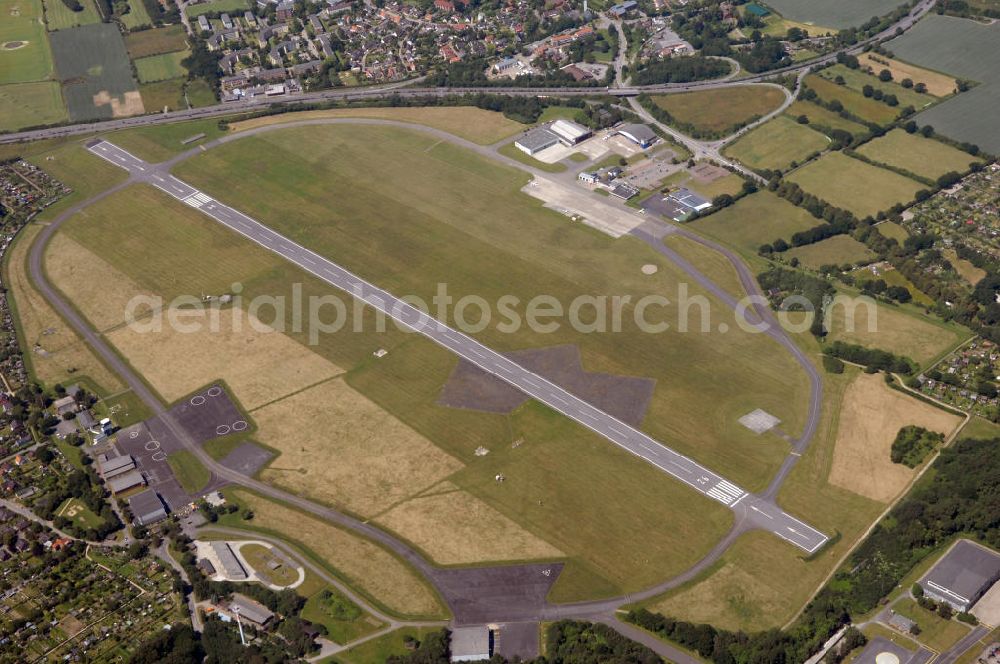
(980, 428)
(857, 79)
(894, 231)
(836, 250)
(731, 184)
(259, 557)
(164, 94)
(31, 104)
(511, 150)
(854, 185)
(161, 142)
(74, 510)
(59, 17)
(378, 651)
(935, 632)
(965, 49)
(344, 620)
(721, 111)
(561, 113)
(853, 102)
(72, 453)
(924, 157)
(144, 43)
(760, 218)
(841, 14)
(191, 474)
(161, 67)
(32, 59)
(777, 144)
(137, 15)
(823, 117)
(200, 93)
(240, 6)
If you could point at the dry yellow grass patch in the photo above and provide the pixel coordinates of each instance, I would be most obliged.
(341, 448)
(965, 269)
(65, 356)
(937, 84)
(473, 124)
(458, 528)
(97, 289)
(259, 366)
(364, 564)
(871, 416)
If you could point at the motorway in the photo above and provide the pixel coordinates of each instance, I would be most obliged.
(764, 513)
(403, 89)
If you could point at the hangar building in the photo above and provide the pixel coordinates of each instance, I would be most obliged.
(639, 134)
(963, 575)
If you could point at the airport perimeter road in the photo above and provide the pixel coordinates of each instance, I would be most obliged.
(763, 513)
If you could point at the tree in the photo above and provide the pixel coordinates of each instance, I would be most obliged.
(917, 590)
(907, 83)
(945, 610)
(802, 119)
(885, 76)
(920, 87)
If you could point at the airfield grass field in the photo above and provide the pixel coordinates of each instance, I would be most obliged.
(161, 142)
(708, 261)
(855, 103)
(921, 156)
(466, 238)
(60, 17)
(144, 43)
(760, 218)
(406, 383)
(824, 117)
(258, 556)
(21, 21)
(761, 582)
(161, 67)
(836, 250)
(857, 79)
(722, 110)
(896, 329)
(777, 144)
(472, 124)
(163, 94)
(939, 85)
(191, 474)
(871, 415)
(367, 567)
(344, 620)
(964, 49)
(854, 185)
(31, 104)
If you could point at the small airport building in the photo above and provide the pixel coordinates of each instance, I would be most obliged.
(639, 134)
(561, 131)
(471, 644)
(570, 133)
(963, 575)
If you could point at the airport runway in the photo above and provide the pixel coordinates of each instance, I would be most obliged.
(763, 513)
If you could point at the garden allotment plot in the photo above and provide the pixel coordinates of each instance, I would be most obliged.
(94, 69)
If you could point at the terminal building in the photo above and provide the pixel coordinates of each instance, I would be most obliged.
(963, 575)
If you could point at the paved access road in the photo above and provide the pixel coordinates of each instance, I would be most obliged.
(762, 512)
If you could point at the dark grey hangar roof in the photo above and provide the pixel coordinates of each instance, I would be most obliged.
(639, 133)
(147, 507)
(964, 573)
(537, 139)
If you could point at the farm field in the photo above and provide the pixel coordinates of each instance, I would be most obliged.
(365, 566)
(406, 383)
(720, 111)
(897, 330)
(854, 102)
(824, 117)
(144, 43)
(169, 94)
(30, 104)
(842, 14)
(137, 15)
(194, 11)
(59, 17)
(871, 416)
(161, 67)
(760, 218)
(921, 156)
(31, 59)
(857, 79)
(854, 185)
(472, 124)
(761, 583)
(96, 73)
(491, 257)
(965, 49)
(777, 144)
(836, 250)
(939, 85)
